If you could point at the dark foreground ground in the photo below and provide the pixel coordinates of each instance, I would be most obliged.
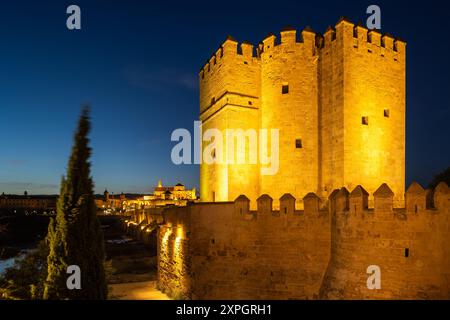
(131, 265)
(20, 232)
(130, 260)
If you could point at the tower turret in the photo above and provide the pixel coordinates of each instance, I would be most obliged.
(106, 194)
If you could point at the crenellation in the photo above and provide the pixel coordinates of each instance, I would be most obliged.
(429, 199)
(311, 204)
(307, 255)
(211, 62)
(242, 206)
(415, 199)
(374, 38)
(259, 50)
(400, 45)
(441, 196)
(247, 49)
(361, 35)
(332, 201)
(264, 204)
(268, 42)
(309, 41)
(387, 41)
(230, 46)
(384, 199)
(329, 36)
(344, 30)
(358, 200)
(288, 36)
(287, 204)
(342, 200)
(319, 41)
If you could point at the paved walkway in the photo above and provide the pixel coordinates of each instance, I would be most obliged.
(137, 291)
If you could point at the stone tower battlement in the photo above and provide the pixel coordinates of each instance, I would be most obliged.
(311, 41)
(228, 251)
(337, 99)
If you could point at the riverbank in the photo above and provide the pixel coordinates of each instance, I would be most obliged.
(20, 234)
(131, 265)
(9, 262)
(22, 231)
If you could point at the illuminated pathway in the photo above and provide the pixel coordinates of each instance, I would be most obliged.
(137, 291)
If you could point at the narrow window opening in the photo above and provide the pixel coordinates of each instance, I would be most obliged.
(214, 196)
(406, 252)
(285, 210)
(213, 241)
(213, 100)
(285, 89)
(415, 208)
(365, 121)
(249, 103)
(298, 144)
(386, 113)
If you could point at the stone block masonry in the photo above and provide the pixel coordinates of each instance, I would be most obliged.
(227, 251)
(338, 100)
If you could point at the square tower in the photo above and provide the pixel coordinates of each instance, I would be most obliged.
(338, 101)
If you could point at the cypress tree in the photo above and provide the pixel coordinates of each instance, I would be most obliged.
(76, 237)
(58, 249)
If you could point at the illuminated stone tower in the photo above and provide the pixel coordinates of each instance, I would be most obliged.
(289, 102)
(338, 101)
(230, 92)
(362, 105)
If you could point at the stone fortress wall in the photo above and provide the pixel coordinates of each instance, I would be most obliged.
(300, 234)
(227, 251)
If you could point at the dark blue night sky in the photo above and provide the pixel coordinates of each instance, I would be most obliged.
(136, 64)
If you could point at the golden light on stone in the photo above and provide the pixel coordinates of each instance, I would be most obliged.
(279, 87)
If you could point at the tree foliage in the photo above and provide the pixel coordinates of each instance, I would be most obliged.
(26, 279)
(76, 238)
(443, 176)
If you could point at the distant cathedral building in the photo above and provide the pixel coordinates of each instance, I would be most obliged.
(161, 196)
